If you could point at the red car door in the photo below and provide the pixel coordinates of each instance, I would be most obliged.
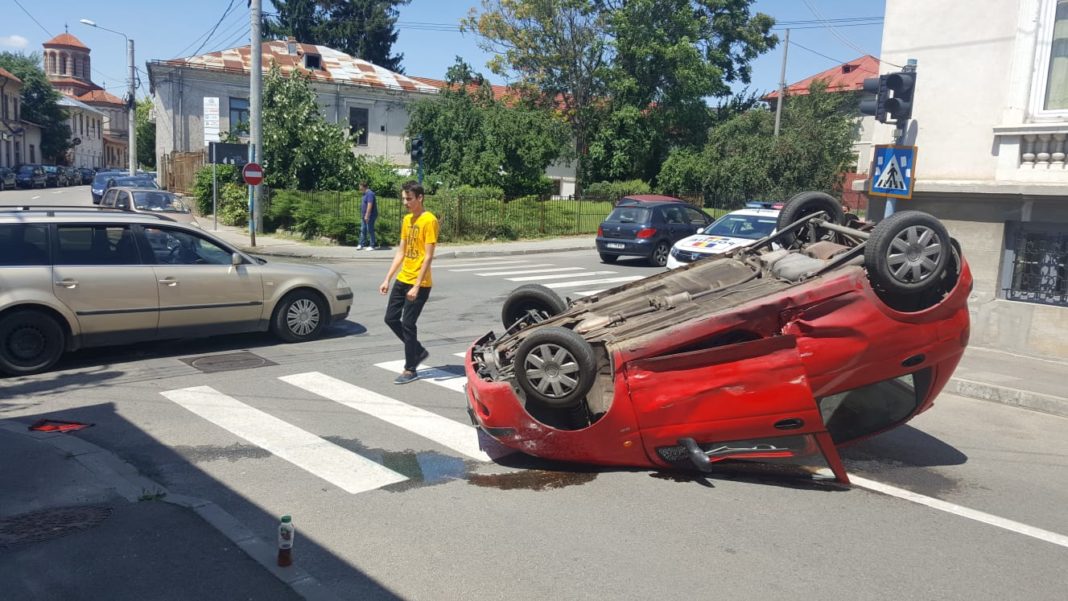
(749, 400)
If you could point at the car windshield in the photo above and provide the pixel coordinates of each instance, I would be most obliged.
(751, 227)
(134, 182)
(26, 169)
(158, 201)
(102, 178)
(628, 215)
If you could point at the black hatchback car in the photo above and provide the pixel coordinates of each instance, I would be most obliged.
(648, 229)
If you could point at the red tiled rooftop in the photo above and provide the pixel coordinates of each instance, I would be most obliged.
(9, 75)
(846, 77)
(66, 39)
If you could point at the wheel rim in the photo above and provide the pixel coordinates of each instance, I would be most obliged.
(302, 317)
(914, 254)
(549, 369)
(660, 254)
(26, 344)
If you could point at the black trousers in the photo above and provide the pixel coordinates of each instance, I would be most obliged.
(401, 315)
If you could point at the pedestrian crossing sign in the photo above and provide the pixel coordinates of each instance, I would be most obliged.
(893, 171)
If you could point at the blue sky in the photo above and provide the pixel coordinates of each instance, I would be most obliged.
(428, 36)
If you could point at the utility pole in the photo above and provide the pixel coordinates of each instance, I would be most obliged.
(782, 83)
(255, 111)
(132, 107)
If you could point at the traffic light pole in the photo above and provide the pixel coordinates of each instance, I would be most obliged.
(900, 131)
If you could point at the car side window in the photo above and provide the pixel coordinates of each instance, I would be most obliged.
(101, 244)
(109, 199)
(23, 244)
(696, 217)
(122, 200)
(178, 247)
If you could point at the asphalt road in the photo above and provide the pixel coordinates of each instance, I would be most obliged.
(459, 527)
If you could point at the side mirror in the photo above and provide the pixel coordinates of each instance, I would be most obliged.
(235, 259)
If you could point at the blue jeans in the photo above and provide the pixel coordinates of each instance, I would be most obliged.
(367, 230)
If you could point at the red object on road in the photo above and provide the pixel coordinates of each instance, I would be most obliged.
(55, 425)
(253, 174)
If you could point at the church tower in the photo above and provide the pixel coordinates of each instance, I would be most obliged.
(67, 65)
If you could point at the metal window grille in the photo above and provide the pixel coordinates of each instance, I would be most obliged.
(1040, 268)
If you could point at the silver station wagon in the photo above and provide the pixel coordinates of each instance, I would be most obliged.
(73, 278)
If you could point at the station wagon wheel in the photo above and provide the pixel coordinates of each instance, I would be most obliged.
(301, 315)
(907, 253)
(533, 300)
(802, 205)
(555, 367)
(30, 342)
(659, 258)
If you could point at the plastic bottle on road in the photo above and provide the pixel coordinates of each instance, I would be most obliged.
(286, 531)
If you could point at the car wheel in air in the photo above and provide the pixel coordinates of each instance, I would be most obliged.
(802, 205)
(555, 367)
(532, 300)
(907, 253)
(608, 258)
(300, 316)
(659, 258)
(30, 342)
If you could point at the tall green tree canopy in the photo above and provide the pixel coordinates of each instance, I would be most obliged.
(631, 75)
(471, 138)
(146, 134)
(364, 29)
(300, 149)
(743, 159)
(40, 104)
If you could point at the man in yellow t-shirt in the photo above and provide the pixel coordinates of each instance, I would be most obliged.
(419, 236)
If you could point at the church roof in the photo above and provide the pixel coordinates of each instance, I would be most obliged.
(101, 97)
(66, 39)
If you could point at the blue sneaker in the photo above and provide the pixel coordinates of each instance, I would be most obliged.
(405, 377)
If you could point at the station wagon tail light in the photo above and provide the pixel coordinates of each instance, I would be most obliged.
(600, 232)
(647, 232)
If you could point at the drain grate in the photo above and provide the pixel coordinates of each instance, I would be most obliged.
(50, 523)
(210, 364)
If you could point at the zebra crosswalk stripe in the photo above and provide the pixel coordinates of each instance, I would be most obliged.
(459, 437)
(629, 278)
(337, 465)
(529, 271)
(434, 375)
(559, 276)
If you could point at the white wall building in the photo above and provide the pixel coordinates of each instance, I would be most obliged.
(20, 140)
(86, 133)
(990, 120)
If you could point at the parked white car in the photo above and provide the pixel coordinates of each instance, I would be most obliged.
(733, 230)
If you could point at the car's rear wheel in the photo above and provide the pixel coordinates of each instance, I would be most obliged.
(30, 342)
(659, 258)
(608, 258)
(907, 253)
(532, 300)
(555, 367)
(802, 205)
(300, 316)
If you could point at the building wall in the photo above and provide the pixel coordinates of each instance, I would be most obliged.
(89, 129)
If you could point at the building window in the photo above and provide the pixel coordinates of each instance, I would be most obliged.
(239, 116)
(313, 61)
(1037, 261)
(359, 123)
(33, 154)
(1057, 77)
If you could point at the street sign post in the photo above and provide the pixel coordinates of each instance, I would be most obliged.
(893, 171)
(253, 174)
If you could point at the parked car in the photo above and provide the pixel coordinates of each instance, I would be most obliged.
(738, 228)
(7, 178)
(31, 176)
(85, 277)
(100, 183)
(73, 176)
(648, 229)
(158, 202)
(53, 176)
(844, 332)
(86, 175)
(131, 181)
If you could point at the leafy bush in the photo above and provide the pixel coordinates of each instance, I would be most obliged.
(233, 204)
(382, 177)
(618, 189)
(225, 174)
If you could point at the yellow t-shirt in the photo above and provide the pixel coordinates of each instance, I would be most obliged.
(416, 236)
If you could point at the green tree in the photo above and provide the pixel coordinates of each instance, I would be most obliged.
(472, 139)
(631, 76)
(146, 134)
(743, 158)
(300, 149)
(364, 29)
(40, 104)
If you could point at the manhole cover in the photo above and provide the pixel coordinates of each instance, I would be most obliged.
(50, 523)
(228, 362)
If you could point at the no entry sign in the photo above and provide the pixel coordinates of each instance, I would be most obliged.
(253, 174)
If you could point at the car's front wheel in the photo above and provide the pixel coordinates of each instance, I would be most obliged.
(555, 367)
(907, 253)
(30, 342)
(531, 300)
(802, 205)
(300, 316)
(659, 257)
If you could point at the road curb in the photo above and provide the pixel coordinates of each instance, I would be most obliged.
(124, 478)
(1023, 399)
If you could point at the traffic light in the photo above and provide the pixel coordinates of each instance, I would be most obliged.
(875, 105)
(902, 84)
(417, 148)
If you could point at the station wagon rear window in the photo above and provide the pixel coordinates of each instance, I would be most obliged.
(23, 244)
(628, 215)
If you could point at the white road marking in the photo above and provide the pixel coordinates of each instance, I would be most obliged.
(972, 514)
(35, 197)
(629, 278)
(58, 192)
(343, 468)
(481, 264)
(442, 430)
(434, 375)
(585, 274)
(549, 269)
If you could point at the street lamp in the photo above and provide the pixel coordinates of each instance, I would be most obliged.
(131, 106)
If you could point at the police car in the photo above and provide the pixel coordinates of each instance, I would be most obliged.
(733, 230)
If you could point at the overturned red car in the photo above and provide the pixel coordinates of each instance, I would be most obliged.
(825, 333)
